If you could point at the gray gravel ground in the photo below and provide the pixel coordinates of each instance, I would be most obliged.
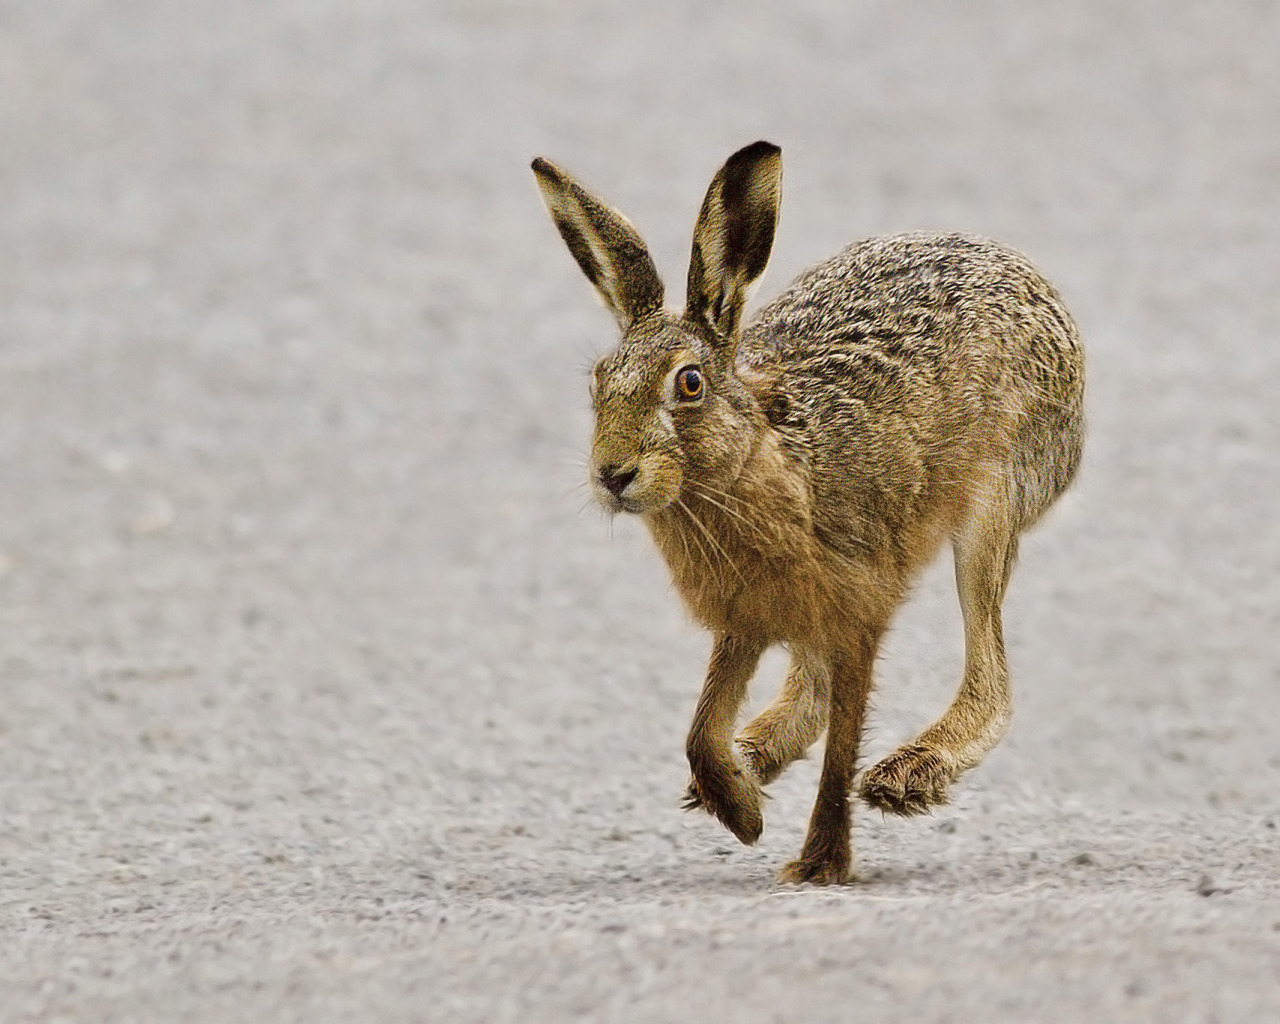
(324, 697)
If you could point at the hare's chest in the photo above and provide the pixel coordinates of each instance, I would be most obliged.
(786, 602)
(743, 582)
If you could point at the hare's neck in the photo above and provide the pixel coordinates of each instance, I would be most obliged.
(718, 539)
(709, 563)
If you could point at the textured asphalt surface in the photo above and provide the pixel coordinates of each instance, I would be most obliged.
(325, 695)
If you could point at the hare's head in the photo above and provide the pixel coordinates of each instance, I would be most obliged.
(670, 410)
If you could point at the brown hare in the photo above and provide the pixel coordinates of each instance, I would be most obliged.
(798, 471)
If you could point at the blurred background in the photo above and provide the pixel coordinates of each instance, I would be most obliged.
(303, 602)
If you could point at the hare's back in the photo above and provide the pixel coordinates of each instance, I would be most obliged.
(927, 348)
(923, 318)
(925, 297)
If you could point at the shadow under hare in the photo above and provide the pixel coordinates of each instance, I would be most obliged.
(798, 471)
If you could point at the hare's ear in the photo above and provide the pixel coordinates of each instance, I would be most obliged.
(732, 239)
(608, 249)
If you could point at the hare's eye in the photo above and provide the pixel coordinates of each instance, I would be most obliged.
(689, 384)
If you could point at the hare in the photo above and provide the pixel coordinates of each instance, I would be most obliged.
(797, 472)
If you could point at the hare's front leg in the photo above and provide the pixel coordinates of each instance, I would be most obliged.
(720, 784)
(788, 727)
(826, 858)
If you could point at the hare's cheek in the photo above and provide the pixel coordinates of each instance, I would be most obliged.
(659, 482)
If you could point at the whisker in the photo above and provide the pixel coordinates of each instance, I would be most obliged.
(686, 536)
(708, 490)
(684, 540)
(703, 493)
(713, 542)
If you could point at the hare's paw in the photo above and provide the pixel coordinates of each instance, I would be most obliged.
(909, 781)
(733, 797)
(692, 797)
(748, 762)
(830, 868)
(756, 758)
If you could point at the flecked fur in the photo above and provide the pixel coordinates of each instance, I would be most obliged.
(909, 390)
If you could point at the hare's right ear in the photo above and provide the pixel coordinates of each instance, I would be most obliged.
(608, 249)
(733, 237)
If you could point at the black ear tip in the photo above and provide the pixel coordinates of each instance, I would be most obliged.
(757, 151)
(542, 168)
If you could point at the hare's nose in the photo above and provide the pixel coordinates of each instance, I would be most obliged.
(614, 479)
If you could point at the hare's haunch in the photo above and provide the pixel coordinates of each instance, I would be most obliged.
(798, 471)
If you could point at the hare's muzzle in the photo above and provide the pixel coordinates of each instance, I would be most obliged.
(638, 483)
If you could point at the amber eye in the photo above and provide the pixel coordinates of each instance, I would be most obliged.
(689, 384)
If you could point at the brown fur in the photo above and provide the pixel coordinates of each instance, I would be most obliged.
(911, 389)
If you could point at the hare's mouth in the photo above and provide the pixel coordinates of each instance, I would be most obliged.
(628, 489)
(637, 505)
(616, 505)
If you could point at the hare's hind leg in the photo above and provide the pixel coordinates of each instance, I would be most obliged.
(787, 728)
(916, 776)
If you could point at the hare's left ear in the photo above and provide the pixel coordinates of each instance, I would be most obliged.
(608, 249)
(733, 237)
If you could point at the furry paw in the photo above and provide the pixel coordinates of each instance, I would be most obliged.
(734, 799)
(692, 797)
(757, 762)
(826, 870)
(909, 781)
